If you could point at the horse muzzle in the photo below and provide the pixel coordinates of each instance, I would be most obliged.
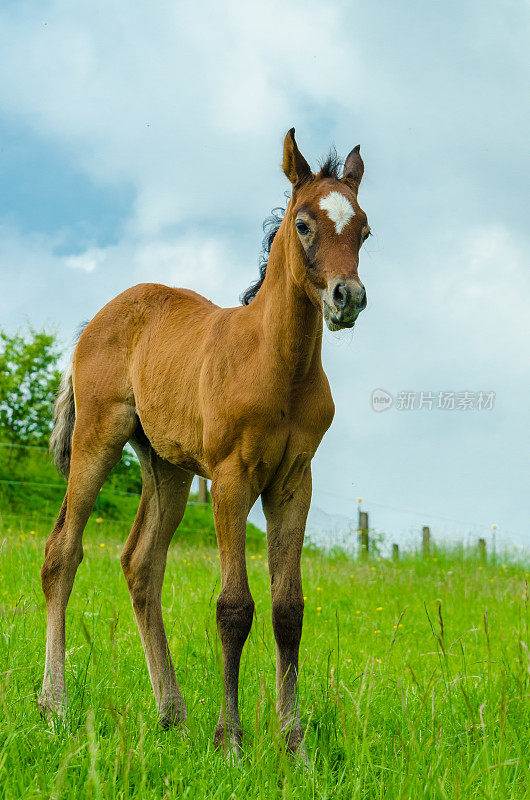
(343, 300)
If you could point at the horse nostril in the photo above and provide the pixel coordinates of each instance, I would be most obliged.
(341, 295)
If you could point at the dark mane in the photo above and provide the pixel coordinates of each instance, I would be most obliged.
(331, 167)
(271, 225)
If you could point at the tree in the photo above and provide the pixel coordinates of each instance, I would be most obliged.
(29, 380)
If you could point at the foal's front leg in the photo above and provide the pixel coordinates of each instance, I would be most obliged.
(235, 606)
(286, 519)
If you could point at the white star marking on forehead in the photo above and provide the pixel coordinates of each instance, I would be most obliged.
(338, 208)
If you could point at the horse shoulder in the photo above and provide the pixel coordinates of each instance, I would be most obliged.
(313, 406)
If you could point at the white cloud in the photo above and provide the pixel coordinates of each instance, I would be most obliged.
(207, 264)
(88, 261)
(486, 291)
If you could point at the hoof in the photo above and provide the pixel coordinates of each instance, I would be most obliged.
(172, 716)
(51, 710)
(294, 742)
(299, 758)
(228, 739)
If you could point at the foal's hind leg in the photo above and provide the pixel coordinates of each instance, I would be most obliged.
(96, 448)
(164, 495)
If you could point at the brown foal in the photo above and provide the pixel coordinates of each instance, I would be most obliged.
(237, 395)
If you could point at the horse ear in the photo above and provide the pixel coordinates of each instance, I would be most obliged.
(294, 164)
(353, 169)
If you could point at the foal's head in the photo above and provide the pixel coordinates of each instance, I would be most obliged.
(327, 227)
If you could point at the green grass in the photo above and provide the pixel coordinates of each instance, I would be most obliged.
(414, 679)
(30, 484)
(31, 492)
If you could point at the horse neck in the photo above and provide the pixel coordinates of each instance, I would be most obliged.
(291, 324)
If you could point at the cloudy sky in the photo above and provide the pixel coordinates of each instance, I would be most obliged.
(143, 143)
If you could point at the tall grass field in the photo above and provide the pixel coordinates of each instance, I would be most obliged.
(414, 679)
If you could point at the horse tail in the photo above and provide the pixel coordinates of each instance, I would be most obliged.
(63, 423)
(64, 419)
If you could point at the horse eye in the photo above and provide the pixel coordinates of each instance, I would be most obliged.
(302, 228)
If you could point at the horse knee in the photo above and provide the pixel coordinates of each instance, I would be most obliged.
(62, 558)
(138, 580)
(234, 616)
(287, 618)
(126, 559)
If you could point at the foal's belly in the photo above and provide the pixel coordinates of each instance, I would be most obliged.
(180, 446)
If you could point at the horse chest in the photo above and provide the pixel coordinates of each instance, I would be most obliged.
(304, 418)
(278, 440)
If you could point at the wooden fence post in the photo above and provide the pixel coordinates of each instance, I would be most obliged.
(363, 530)
(426, 543)
(395, 552)
(203, 490)
(482, 551)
